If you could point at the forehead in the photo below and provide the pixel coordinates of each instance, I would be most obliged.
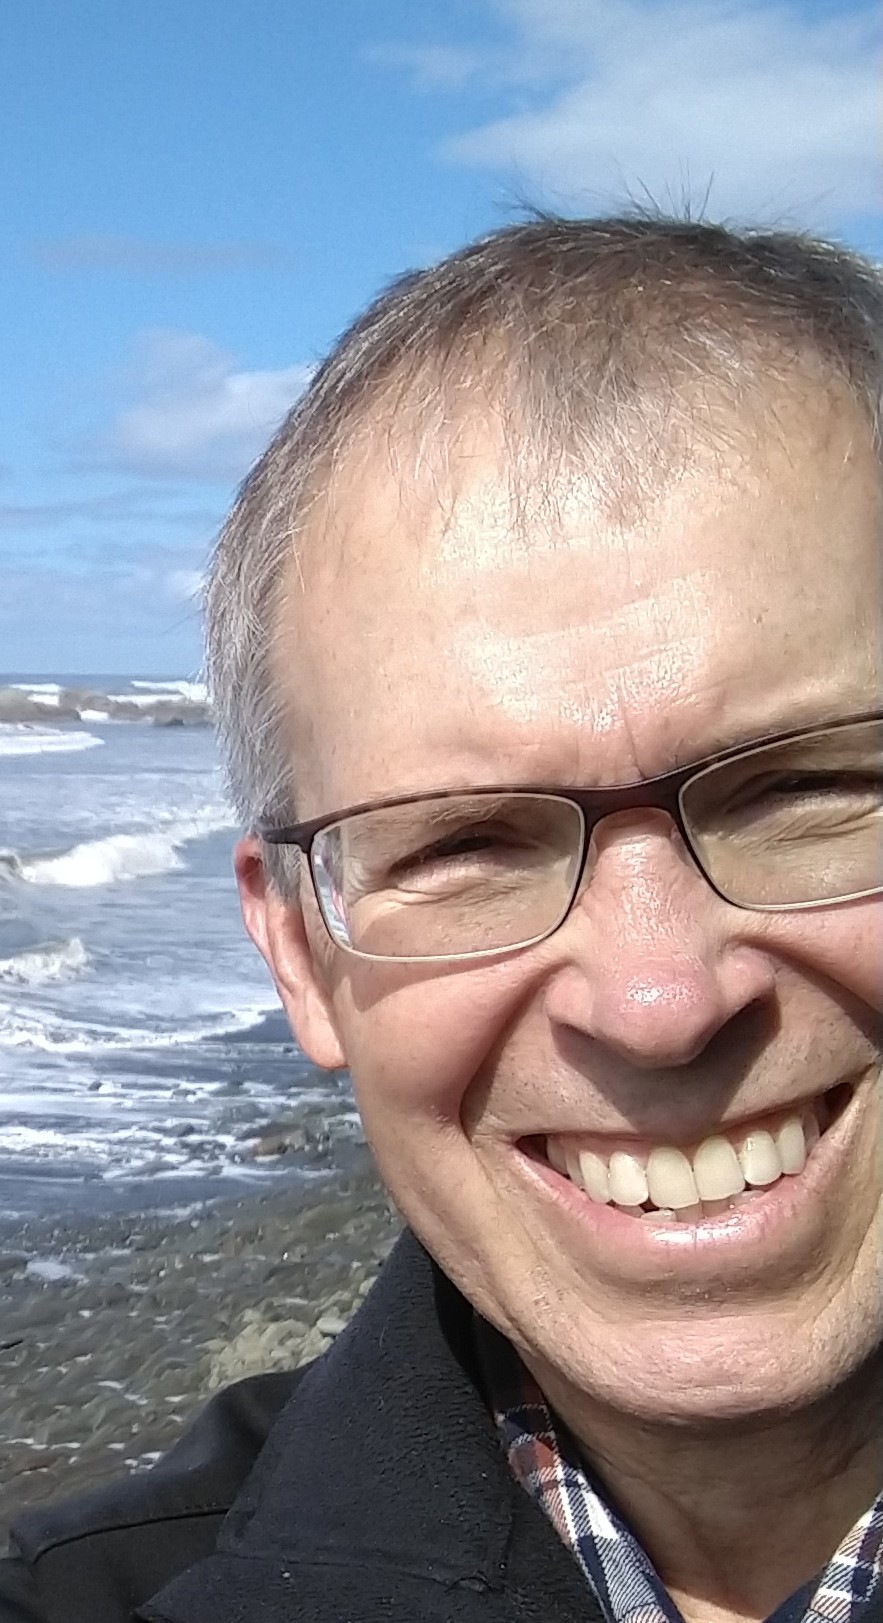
(444, 634)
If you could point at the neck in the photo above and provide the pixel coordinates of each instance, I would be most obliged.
(736, 1516)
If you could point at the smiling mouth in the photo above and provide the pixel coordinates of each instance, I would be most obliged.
(669, 1184)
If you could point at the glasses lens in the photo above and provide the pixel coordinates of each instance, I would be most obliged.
(450, 876)
(792, 823)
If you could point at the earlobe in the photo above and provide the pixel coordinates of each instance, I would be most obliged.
(278, 930)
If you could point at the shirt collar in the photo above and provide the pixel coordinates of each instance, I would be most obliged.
(544, 1458)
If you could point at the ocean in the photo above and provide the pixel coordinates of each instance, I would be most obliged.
(142, 1047)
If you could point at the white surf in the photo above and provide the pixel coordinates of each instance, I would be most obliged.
(121, 857)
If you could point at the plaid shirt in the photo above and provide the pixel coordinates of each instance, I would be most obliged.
(619, 1573)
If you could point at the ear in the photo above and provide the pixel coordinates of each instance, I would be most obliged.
(278, 930)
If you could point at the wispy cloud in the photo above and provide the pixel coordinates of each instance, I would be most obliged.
(430, 67)
(184, 585)
(192, 414)
(97, 252)
(117, 510)
(771, 109)
(136, 607)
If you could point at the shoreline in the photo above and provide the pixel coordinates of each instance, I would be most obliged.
(115, 1330)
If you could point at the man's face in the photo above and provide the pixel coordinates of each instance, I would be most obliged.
(744, 600)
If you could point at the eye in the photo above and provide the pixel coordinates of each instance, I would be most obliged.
(797, 788)
(464, 843)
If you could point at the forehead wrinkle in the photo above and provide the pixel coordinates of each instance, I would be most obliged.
(501, 665)
(673, 700)
(525, 699)
(661, 633)
(395, 620)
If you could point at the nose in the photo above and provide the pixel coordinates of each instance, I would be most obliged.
(655, 965)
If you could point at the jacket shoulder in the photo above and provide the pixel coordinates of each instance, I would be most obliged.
(96, 1558)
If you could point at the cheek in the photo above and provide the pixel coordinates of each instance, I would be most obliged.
(844, 945)
(415, 1045)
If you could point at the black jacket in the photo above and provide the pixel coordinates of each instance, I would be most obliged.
(369, 1488)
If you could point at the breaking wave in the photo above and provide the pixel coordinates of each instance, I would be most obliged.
(105, 862)
(37, 966)
(193, 692)
(55, 1034)
(24, 740)
(117, 857)
(179, 702)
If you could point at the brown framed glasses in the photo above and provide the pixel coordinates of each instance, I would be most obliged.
(790, 821)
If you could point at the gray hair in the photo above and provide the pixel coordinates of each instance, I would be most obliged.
(572, 328)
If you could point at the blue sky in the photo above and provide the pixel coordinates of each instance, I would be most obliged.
(198, 196)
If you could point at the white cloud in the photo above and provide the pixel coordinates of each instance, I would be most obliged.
(117, 601)
(192, 414)
(773, 109)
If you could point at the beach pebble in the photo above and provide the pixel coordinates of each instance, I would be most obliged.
(111, 1367)
(330, 1324)
(11, 1262)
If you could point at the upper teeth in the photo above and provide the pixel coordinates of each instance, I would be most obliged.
(671, 1178)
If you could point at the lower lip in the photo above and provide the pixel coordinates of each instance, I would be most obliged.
(771, 1222)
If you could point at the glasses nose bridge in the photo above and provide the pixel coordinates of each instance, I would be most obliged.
(658, 794)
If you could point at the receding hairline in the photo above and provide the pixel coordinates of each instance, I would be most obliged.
(583, 332)
(536, 503)
(415, 428)
(673, 341)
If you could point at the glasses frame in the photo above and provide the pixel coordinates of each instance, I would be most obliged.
(664, 792)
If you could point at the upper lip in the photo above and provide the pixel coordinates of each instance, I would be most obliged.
(688, 1134)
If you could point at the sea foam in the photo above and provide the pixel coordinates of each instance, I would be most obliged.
(196, 692)
(51, 1033)
(37, 966)
(119, 857)
(24, 740)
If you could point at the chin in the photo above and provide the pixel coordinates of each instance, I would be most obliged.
(750, 1327)
(702, 1369)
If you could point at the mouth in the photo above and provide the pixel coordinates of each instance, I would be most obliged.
(739, 1164)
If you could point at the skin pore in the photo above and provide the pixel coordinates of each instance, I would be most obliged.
(723, 1395)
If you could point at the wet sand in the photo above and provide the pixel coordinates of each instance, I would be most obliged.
(114, 1331)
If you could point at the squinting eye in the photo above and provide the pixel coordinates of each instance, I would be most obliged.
(460, 844)
(797, 786)
(848, 786)
(469, 842)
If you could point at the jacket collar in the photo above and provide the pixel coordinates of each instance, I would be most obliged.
(384, 1461)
